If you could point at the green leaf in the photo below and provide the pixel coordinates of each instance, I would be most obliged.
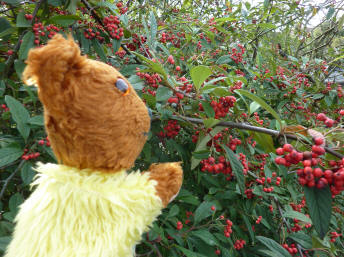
(9, 155)
(12, 2)
(211, 122)
(116, 44)
(99, 50)
(19, 66)
(330, 13)
(254, 106)
(237, 168)
(203, 211)
(319, 205)
(189, 253)
(301, 238)
(26, 45)
(155, 66)
(261, 102)
(206, 237)
(20, 115)
(4, 241)
(248, 226)
(208, 109)
(224, 59)
(37, 120)
(15, 201)
(265, 141)
(22, 22)
(297, 215)
(267, 26)
(163, 93)
(2, 87)
(5, 29)
(199, 74)
(173, 211)
(64, 20)
(27, 173)
(153, 27)
(273, 246)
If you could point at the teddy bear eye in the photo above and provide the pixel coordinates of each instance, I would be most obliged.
(122, 85)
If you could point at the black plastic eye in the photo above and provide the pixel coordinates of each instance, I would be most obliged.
(122, 85)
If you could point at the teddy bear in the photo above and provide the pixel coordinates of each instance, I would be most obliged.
(88, 204)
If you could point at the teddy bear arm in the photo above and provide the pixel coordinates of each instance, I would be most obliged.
(169, 177)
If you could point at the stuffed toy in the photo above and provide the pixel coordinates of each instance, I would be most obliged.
(87, 205)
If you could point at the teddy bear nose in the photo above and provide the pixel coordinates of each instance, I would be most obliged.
(122, 85)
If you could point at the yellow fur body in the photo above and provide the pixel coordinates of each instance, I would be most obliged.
(83, 213)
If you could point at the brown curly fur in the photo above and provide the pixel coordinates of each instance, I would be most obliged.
(90, 123)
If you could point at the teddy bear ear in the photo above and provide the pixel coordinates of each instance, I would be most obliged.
(54, 58)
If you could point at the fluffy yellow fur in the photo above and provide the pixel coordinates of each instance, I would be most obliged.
(85, 213)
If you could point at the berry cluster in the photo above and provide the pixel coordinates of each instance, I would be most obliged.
(291, 249)
(313, 174)
(239, 244)
(334, 236)
(237, 55)
(5, 108)
(28, 156)
(186, 86)
(327, 121)
(259, 220)
(171, 130)
(29, 17)
(91, 34)
(228, 228)
(170, 37)
(111, 24)
(221, 166)
(221, 108)
(44, 141)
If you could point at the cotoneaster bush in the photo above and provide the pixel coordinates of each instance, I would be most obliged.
(241, 94)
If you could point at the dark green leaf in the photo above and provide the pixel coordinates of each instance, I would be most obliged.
(209, 123)
(9, 155)
(208, 109)
(26, 45)
(320, 209)
(2, 87)
(330, 13)
(273, 246)
(163, 93)
(237, 168)
(189, 253)
(224, 59)
(27, 173)
(203, 211)
(116, 44)
(173, 211)
(4, 241)
(37, 120)
(15, 201)
(20, 115)
(206, 237)
(297, 215)
(12, 2)
(99, 50)
(302, 239)
(19, 66)
(22, 22)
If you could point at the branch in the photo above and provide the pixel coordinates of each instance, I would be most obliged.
(10, 178)
(99, 20)
(244, 126)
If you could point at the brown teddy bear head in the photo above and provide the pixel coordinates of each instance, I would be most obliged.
(93, 116)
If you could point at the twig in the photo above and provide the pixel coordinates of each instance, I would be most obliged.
(99, 20)
(10, 178)
(244, 126)
(299, 248)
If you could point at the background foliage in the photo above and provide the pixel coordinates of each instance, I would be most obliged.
(228, 84)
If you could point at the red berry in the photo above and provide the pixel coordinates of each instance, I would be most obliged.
(341, 112)
(279, 151)
(212, 208)
(178, 68)
(318, 173)
(329, 123)
(318, 141)
(321, 117)
(287, 148)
